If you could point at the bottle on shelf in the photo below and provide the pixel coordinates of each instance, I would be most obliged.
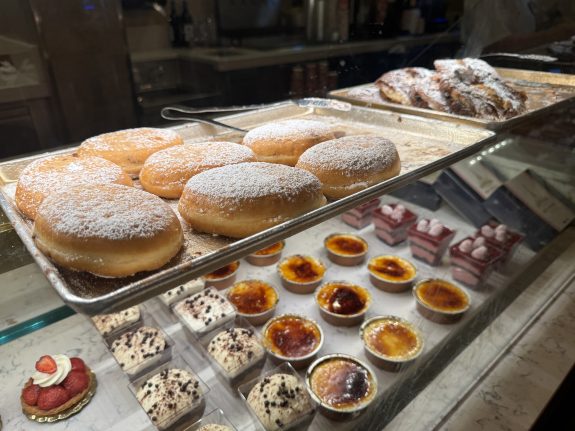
(411, 20)
(187, 24)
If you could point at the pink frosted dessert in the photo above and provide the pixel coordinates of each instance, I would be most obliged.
(503, 238)
(392, 222)
(472, 260)
(428, 240)
(360, 216)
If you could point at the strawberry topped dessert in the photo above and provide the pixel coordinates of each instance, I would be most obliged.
(59, 384)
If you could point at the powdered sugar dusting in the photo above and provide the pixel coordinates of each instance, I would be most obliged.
(248, 181)
(351, 155)
(139, 138)
(475, 83)
(57, 172)
(111, 211)
(198, 156)
(294, 129)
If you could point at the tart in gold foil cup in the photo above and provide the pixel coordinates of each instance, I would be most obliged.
(76, 408)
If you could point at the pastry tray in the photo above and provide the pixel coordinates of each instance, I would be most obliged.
(546, 92)
(424, 145)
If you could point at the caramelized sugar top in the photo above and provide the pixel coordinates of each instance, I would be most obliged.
(342, 298)
(342, 383)
(301, 269)
(391, 268)
(347, 245)
(272, 249)
(391, 338)
(252, 296)
(292, 337)
(223, 272)
(442, 295)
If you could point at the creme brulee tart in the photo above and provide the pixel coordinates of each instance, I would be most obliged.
(345, 249)
(391, 273)
(292, 338)
(300, 273)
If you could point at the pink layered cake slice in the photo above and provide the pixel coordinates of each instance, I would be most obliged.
(428, 240)
(472, 260)
(503, 238)
(392, 222)
(360, 216)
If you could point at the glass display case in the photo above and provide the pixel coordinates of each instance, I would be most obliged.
(403, 303)
(29, 303)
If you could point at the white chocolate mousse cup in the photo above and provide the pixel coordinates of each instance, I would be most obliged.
(215, 417)
(235, 377)
(299, 423)
(385, 362)
(179, 417)
(136, 370)
(296, 362)
(346, 414)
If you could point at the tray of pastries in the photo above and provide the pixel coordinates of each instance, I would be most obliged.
(467, 91)
(129, 214)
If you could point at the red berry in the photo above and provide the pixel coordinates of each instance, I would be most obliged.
(52, 397)
(46, 364)
(78, 364)
(30, 394)
(75, 382)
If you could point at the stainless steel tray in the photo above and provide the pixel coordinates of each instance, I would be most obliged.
(546, 92)
(424, 145)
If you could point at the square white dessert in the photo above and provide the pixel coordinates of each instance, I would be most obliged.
(139, 349)
(108, 323)
(279, 401)
(169, 395)
(236, 350)
(178, 293)
(205, 311)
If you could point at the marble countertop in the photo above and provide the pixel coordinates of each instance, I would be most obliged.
(245, 58)
(26, 294)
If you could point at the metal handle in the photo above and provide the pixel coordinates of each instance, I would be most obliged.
(174, 113)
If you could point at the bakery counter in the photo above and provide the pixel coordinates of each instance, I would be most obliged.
(229, 59)
(115, 407)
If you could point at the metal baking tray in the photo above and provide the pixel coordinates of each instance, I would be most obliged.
(424, 145)
(546, 92)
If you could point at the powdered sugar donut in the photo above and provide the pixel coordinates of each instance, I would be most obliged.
(109, 230)
(243, 199)
(166, 172)
(131, 147)
(284, 141)
(56, 173)
(350, 164)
